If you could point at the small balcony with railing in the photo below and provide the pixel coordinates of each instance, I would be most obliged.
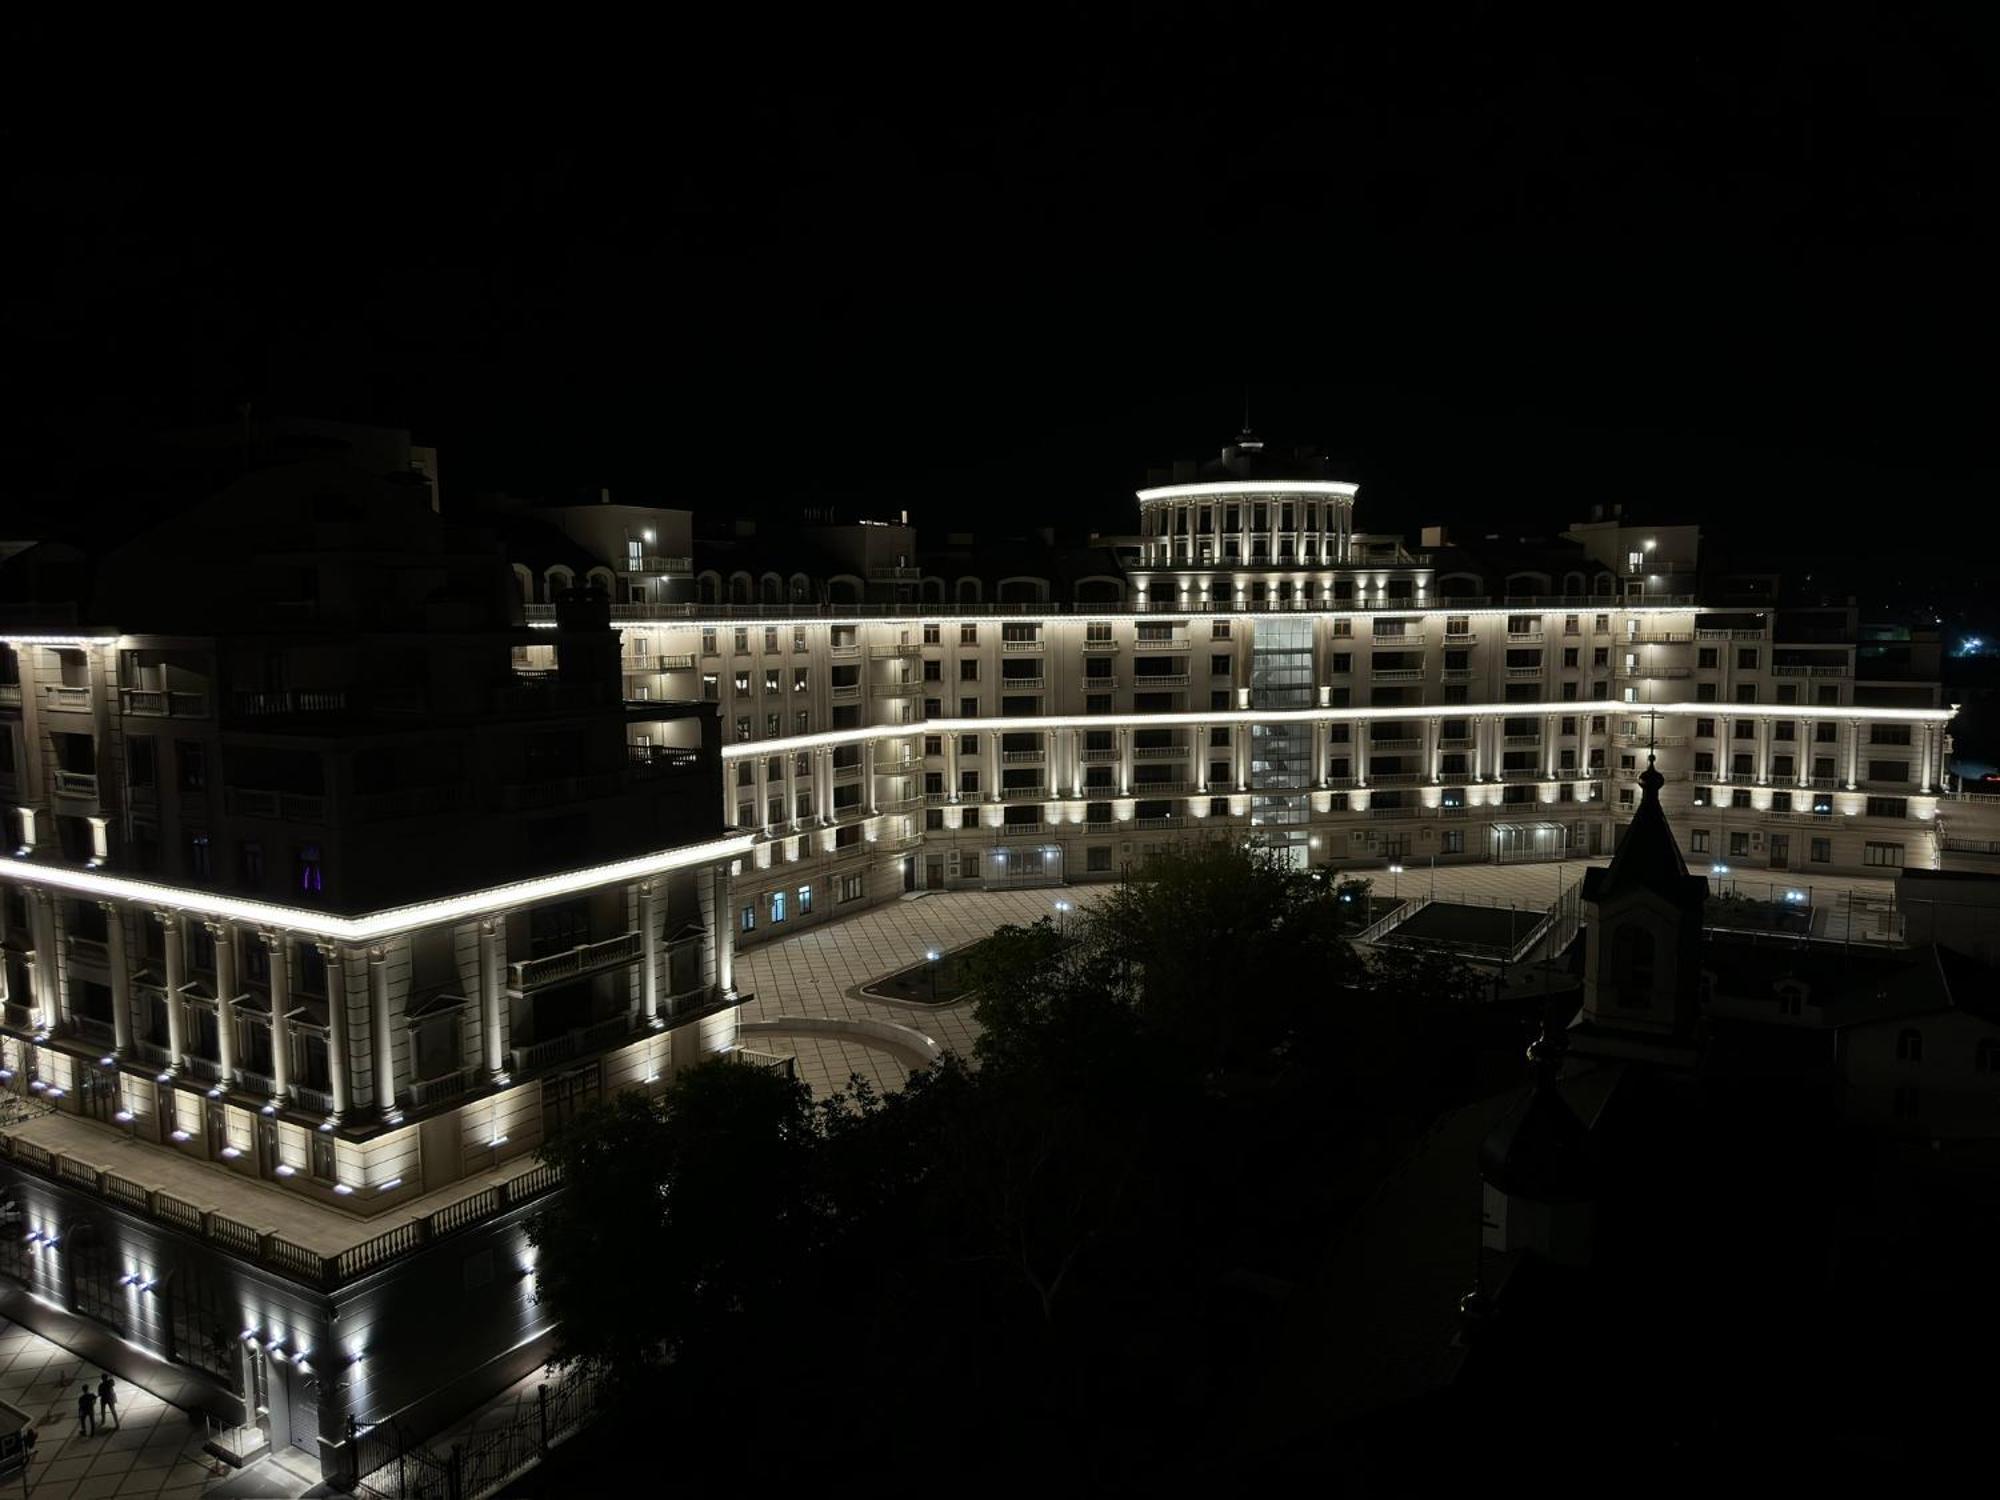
(574, 963)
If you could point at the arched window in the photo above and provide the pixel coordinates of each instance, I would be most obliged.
(1909, 1045)
(1634, 954)
(801, 589)
(968, 591)
(711, 588)
(741, 590)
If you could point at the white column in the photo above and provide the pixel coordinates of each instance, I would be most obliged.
(382, 1049)
(1124, 761)
(868, 776)
(1199, 748)
(649, 952)
(121, 978)
(281, 1004)
(489, 997)
(48, 981)
(336, 1025)
(1433, 751)
(761, 785)
(951, 767)
(725, 932)
(1927, 736)
(823, 784)
(1319, 751)
(1853, 752)
(224, 936)
(993, 765)
(792, 789)
(170, 926)
(1242, 738)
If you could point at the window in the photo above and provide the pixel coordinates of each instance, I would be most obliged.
(1698, 841)
(851, 886)
(777, 906)
(1220, 666)
(199, 865)
(742, 637)
(193, 766)
(141, 761)
(933, 634)
(1883, 856)
(1453, 841)
(1909, 1045)
(798, 638)
(1739, 845)
(1704, 658)
(747, 919)
(1218, 630)
(1822, 851)
(708, 640)
(311, 872)
(968, 635)
(1746, 658)
(1888, 807)
(250, 865)
(1097, 859)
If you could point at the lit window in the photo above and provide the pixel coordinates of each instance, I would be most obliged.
(311, 872)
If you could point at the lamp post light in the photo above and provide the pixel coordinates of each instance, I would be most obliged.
(931, 957)
(1063, 909)
(1395, 881)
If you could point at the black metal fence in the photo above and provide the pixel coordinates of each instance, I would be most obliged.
(392, 1465)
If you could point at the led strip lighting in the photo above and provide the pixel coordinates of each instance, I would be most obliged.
(1254, 487)
(1058, 614)
(1220, 717)
(383, 923)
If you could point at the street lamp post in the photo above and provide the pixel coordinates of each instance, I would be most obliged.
(1395, 881)
(931, 956)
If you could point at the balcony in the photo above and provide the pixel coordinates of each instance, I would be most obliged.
(846, 770)
(846, 692)
(72, 699)
(1160, 643)
(1022, 757)
(659, 565)
(578, 1043)
(1104, 684)
(79, 784)
(1729, 635)
(87, 951)
(1460, 638)
(291, 807)
(1149, 824)
(1397, 778)
(1523, 674)
(899, 651)
(1097, 648)
(428, 1091)
(1526, 773)
(1144, 789)
(908, 687)
(261, 705)
(841, 652)
(1794, 670)
(154, 703)
(896, 573)
(1099, 753)
(939, 799)
(1398, 674)
(1399, 742)
(1524, 637)
(1457, 674)
(1456, 742)
(1521, 741)
(1159, 752)
(1161, 680)
(560, 968)
(1395, 812)
(1661, 638)
(411, 802)
(652, 762)
(1026, 684)
(1655, 672)
(1013, 648)
(1036, 793)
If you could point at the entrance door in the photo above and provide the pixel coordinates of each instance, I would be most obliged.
(267, 1155)
(302, 1395)
(100, 1092)
(218, 1128)
(1781, 851)
(909, 873)
(934, 872)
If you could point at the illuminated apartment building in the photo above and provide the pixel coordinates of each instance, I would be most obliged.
(316, 917)
(1248, 665)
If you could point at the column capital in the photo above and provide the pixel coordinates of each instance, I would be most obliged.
(218, 926)
(112, 907)
(271, 938)
(166, 916)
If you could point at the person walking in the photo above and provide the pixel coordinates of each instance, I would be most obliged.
(107, 1399)
(86, 1406)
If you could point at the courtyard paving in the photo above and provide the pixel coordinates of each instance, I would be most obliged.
(154, 1450)
(815, 974)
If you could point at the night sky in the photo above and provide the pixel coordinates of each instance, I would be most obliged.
(1501, 264)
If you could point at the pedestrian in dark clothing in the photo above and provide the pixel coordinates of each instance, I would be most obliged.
(107, 1399)
(86, 1406)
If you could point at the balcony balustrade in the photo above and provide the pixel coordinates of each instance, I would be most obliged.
(578, 1043)
(1144, 789)
(1522, 674)
(262, 802)
(1521, 741)
(1789, 669)
(1524, 637)
(1661, 638)
(587, 958)
(1168, 643)
(1022, 757)
(898, 651)
(1099, 648)
(1397, 674)
(556, 790)
(72, 699)
(88, 951)
(1021, 648)
(1456, 742)
(79, 784)
(1148, 824)
(659, 565)
(1461, 638)
(425, 1092)
(1160, 680)
(1024, 684)
(1397, 742)
(1036, 793)
(155, 703)
(1159, 752)
(1099, 753)
(1457, 674)
(1104, 684)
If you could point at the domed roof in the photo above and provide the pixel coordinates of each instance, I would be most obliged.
(1250, 461)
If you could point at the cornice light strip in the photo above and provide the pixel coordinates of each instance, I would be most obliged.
(383, 923)
(1569, 708)
(1071, 613)
(1254, 487)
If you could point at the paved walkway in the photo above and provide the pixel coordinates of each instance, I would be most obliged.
(155, 1449)
(814, 973)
